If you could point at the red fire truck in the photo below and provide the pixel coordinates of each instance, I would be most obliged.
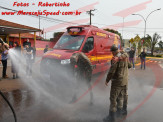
(91, 40)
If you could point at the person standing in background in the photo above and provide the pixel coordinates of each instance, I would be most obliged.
(4, 47)
(4, 58)
(15, 60)
(46, 49)
(131, 57)
(143, 58)
(29, 59)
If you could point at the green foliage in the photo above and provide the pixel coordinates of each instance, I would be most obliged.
(147, 42)
(57, 34)
(150, 56)
(151, 42)
(134, 45)
(139, 46)
(160, 44)
(158, 55)
(46, 40)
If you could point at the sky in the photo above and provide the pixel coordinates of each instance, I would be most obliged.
(108, 14)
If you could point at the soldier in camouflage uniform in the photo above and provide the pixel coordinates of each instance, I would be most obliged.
(125, 98)
(82, 71)
(118, 74)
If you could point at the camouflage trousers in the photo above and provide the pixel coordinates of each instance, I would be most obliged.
(118, 98)
(79, 78)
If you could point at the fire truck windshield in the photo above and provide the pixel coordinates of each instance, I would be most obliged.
(70, 42)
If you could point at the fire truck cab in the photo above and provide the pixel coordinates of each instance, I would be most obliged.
(91, 40)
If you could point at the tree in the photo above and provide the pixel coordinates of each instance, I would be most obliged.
(151, 42)
(131, 40)
(160, 44)
(147, 42)
(57, 34)
(140, 46)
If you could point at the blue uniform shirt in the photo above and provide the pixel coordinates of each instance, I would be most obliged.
(4, 56)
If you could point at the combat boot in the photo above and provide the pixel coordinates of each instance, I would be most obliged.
(119, 113)
(91, 98)
(124, 111)
(110, 117)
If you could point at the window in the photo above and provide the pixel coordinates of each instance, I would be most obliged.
(89, 44)
(70, 42)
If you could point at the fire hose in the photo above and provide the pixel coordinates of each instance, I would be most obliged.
(12, 109)
(3, 96)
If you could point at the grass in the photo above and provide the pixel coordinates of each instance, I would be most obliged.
(154, 57)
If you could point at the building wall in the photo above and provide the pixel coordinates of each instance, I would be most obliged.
(40, 45)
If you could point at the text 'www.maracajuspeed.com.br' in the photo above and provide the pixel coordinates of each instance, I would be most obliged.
(44, 12)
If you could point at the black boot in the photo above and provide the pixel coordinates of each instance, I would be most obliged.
(91, 98)
(124, 111)
(110, 117)
(119, 113)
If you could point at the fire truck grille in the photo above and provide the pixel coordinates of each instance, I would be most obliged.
(52, 65)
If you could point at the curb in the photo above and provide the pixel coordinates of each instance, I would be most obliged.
(154, 58)
(140, 63)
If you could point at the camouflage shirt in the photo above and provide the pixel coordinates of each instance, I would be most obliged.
(118, 72)
(84, 67)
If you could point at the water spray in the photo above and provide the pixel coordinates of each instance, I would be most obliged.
(3, 96)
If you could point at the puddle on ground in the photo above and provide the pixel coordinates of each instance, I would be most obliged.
(19, 99)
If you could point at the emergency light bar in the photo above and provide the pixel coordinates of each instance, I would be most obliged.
(74, 29)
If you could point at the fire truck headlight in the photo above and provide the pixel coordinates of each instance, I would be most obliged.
(66, 61)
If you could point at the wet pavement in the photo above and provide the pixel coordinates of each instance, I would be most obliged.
(145, 100)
